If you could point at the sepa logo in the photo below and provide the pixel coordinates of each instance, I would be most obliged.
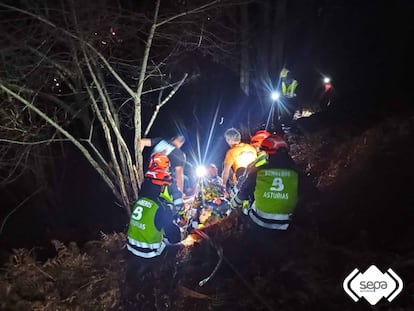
(373, 285)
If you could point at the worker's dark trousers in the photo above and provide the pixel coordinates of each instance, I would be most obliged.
(158, 269)
(267, 244)
(287, 109)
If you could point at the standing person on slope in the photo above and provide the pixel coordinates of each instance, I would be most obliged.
(171, 148)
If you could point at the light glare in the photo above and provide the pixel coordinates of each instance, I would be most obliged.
(245, 159)
(275, 95)
(201, 171)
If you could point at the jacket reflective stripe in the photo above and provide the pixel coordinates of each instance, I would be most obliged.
(291, 88)
(144, 245)
(261, 160)
(235, 202)
(150, 254)
(165, 194)
(266, 224)
(268, 215)
(284, 88)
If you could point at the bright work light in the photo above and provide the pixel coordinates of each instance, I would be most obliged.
(275, 95)
(201, 171)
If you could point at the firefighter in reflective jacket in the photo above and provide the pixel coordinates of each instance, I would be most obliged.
(151, 225)
(153, 237)
(288, 86)
(261, 159)
(271, 187)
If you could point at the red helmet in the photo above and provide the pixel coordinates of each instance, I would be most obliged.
(257, 138)
(272, 143)
(159, 162)
(159, 178)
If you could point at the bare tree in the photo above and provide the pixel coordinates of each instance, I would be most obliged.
(244, 62)
(76, 73)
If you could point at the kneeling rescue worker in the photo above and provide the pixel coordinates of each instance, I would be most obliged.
(271, 187)
(152, 215)
(152, 229)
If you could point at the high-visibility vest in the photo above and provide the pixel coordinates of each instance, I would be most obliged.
(261, 159)
(165, 194)
(276, 197)
(169, 198)
(144, 239)
(289, 90)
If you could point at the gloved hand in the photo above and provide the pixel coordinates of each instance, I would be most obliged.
(193, 224)
(178, 220)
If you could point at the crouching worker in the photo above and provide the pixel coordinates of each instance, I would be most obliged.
(271, 187)
(153, 237)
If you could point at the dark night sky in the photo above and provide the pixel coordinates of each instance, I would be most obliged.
(363, 46)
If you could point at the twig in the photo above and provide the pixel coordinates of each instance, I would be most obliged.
(219, 250)
(65, 133)
(193, 11)
(220, 253)
(46, 141)
(76, 291)
(17, 207)
(159, 105)
(91, 282)
(44, 273)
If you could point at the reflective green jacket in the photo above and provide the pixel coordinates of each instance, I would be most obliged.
(289, 89)
(144, 239)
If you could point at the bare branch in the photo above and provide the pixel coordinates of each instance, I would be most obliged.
(196, 10)
(60, 90)
(46, 141)
(111, 121)
(65, 133)
(137, 101)
(3, 223)
(166, 99)
(111, 70)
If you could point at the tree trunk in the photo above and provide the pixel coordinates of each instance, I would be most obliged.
(278, 58)
(244, 63)
(137, 99)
